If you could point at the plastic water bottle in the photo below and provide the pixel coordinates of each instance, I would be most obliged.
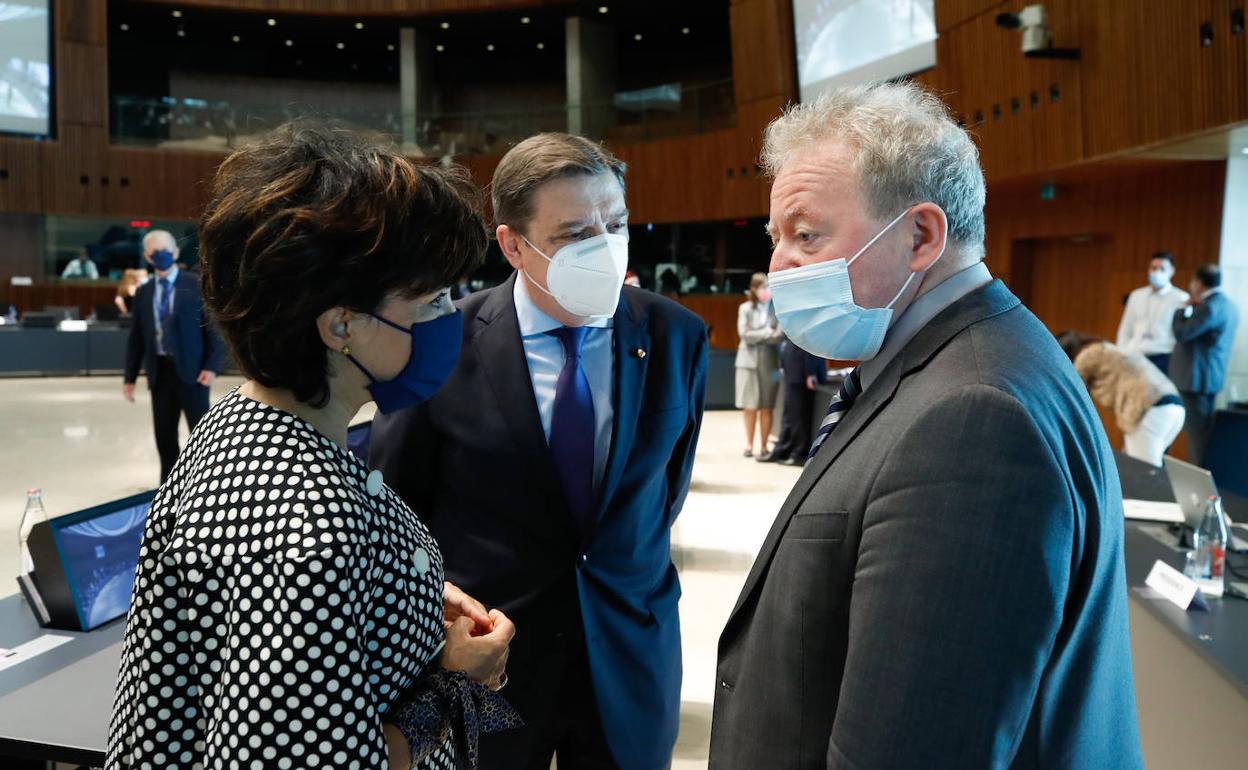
(33, 515)
(1209, 549)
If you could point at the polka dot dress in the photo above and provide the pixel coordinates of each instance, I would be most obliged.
(285, 601)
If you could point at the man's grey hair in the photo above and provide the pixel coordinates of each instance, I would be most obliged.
(906, 148)
(161, 239)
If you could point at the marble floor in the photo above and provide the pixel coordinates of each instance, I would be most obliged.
(82, 443)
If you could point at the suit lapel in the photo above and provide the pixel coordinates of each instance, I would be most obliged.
(630, 378)
(980, 304)
(859, 416)
(500, 352)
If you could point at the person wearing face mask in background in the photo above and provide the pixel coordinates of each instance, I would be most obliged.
(555, 460)
(944, 587)
(1145, 325)
(289, 609)
(172, 341)
(757, 365)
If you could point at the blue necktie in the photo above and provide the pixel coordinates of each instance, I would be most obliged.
(572, 428)
(851, 387)
(165, 296)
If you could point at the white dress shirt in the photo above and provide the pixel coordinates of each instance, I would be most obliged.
(546, 357)
(919, 313)
(1146, 320)
(172, 278)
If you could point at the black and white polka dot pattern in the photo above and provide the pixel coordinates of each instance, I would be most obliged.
(285, 600)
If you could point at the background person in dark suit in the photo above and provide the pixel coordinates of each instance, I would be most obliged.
(801, 372)
(1204, 332)
(173, 342)
(944, 587)
(552, 465)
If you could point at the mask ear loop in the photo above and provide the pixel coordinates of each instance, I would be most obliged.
(532, 282)
(878, 236)
(943, 246)
(346, 350)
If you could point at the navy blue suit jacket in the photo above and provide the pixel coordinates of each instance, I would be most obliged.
(798, 364)
(190, 338)
(474, 464)
(1203, 345)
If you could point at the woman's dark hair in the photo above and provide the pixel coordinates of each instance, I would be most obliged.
(1209, 275)
(315, 217)
(1072, 342)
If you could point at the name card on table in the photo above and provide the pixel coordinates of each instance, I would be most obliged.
(1173, 585)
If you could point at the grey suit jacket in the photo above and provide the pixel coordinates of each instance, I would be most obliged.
(1202, 349)
(944, 586)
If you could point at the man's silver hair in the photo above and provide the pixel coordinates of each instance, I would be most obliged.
(161, 239)
(906, 149)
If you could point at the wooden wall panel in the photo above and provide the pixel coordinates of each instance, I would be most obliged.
(720, 314)
(21, 249)
(72, 170)
(83, 295)
(763, 63)
(81, 21)
(21, 176)
(82, 84)
(951, 13)
(1147, 78)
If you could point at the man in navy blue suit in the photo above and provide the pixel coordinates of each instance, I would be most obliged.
(175, 345)
(552, 464)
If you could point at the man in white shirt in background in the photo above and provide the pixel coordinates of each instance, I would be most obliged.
(81, 266)
(1146, 320)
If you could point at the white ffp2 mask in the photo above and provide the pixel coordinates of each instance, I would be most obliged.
(585, 277)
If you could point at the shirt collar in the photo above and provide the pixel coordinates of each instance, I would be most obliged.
(172, 278)
(1210, 293)
(532, 320)
(920, 312)
(1164, 290)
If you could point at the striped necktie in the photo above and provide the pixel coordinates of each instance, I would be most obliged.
(851, 387)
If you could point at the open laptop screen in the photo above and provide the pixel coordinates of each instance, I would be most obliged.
(99, 548)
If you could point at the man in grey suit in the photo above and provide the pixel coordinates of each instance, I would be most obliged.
(944, 586)
(1204, 332)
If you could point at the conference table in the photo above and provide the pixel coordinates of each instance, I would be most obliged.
(1191, 668)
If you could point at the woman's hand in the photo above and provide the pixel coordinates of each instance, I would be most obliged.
(458, 604)
(483, 658)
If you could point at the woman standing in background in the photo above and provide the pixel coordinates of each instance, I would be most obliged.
(758, 362)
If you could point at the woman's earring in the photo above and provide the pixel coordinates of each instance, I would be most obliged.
(346, 350)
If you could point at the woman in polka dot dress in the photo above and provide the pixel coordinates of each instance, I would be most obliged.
(289, 610)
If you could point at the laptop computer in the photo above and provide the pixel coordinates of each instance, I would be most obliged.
(1192, 487)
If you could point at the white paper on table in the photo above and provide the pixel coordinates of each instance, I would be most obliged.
(37, 646)
(1150, 510)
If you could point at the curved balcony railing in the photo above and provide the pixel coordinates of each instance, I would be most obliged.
(641, 115)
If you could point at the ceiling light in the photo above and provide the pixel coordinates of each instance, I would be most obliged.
(637, 37)
(684, 30)
(181, 33)
(441, 48)
(390, 47)
(341, 46)
(1244, 151)
(525, 19)
(272, 22)
(289, 43)
(177, 14)
(603, 9)
(446, 25)
(298, 62)
(236, 39)
(359, 25)
(490, 47)
(125, 27)
(542, 46)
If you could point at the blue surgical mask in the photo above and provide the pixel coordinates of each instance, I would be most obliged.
(815, 307)
(435, 349)
(162, 259)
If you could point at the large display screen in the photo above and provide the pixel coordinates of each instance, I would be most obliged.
(851, 42)
(100, 552)
(25, 67)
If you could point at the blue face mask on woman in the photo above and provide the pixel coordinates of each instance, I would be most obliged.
(435, 350)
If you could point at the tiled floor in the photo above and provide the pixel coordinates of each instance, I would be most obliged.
(79, 441)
